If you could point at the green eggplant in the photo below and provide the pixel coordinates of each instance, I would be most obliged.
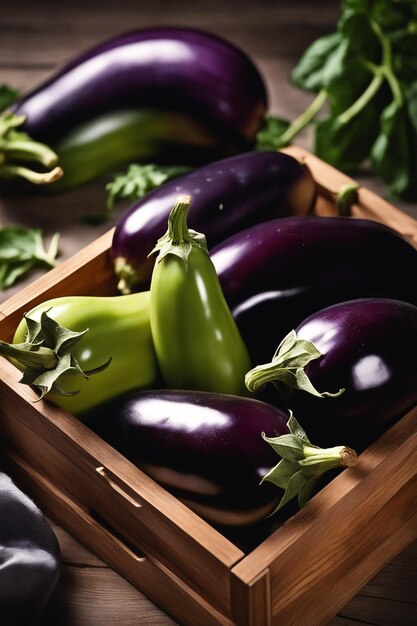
(197, 343)
(119, 137)
(81, 351)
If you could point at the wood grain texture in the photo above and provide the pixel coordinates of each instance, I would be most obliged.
(36, 39)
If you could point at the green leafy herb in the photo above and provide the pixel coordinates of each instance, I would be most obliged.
(8, 95)
(270, 136)
(302, 464)
(139, 180)
(365, 73)
(22, 249)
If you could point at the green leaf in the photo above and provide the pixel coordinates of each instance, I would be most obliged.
(8, 95)
(11, 272)
(393, 153)
(349, 75)
(139, 180)
(22, 249)
(315, 66)
(269, 137)
(347, 145)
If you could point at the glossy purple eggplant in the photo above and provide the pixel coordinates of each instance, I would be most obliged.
(367, 348)
(227, 196)
(168, 68)
(29, 557)
(224, 456)
(206, 448)
(275, 274)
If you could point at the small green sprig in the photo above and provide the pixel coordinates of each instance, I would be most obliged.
(302, 463)
(47, 356)
(138, 180)
(22, 249)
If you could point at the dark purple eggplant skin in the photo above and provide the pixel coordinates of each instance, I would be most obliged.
(214, 437)
(368, 348)
(170, 68)
(29, 557)
(226, 196)
(275, 274)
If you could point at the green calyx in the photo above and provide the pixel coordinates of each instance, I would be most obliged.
(287, 367)
(179, 240)
(18, 149)
(302, 463)
(47, 355)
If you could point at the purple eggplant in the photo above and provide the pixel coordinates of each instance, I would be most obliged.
(165, 95)
(166, 68)
(365, 357)
(30, 557)
(227, 196)
(275, 274)
(208, 449)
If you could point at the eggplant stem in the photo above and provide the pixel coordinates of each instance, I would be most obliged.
(38, 178)
(304, 119)
(329, 457)
(179, 240)
(26, 150)
(345, 197)
(41, 359)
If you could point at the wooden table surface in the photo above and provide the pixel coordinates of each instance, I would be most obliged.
(36, 38)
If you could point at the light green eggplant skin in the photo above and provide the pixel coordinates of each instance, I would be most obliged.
(118, 328)
(117, 138)
(196, 340)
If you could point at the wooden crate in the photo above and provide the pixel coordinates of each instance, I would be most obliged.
(302, 573)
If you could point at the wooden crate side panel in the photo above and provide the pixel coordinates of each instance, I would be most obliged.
(346, 533)
(149, 576)
(351, 563)
(251, 602)
(65, 451)
(342, 568)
